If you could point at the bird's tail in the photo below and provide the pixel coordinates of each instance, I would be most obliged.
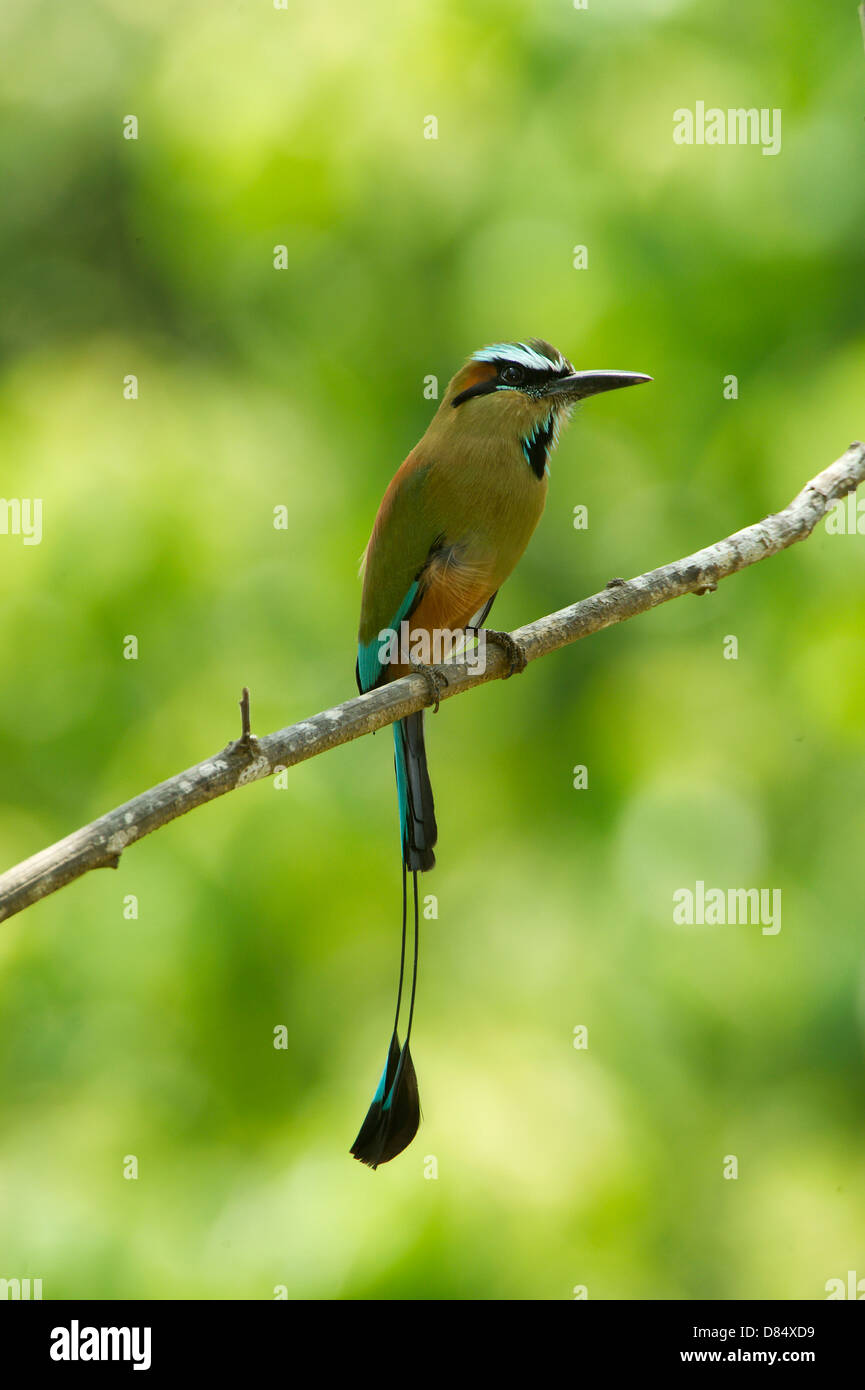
(416, 808)
(394, 1115)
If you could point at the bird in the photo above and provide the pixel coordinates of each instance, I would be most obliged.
(450, 529)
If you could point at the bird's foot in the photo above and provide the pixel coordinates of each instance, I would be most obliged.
(519, 660)
(435, 678)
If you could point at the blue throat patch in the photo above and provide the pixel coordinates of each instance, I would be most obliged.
(537, 445)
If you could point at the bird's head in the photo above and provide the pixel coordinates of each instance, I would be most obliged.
(524, 390)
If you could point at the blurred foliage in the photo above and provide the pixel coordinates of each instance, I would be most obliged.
(258, 387)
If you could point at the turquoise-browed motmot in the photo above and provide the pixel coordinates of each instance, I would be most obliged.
(451, 527)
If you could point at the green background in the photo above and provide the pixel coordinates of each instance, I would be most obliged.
(154, 1037)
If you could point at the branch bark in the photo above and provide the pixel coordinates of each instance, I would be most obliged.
(100, 844)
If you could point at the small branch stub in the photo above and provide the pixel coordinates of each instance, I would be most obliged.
(247, 744)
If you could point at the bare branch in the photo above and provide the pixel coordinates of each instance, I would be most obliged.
(100, 844)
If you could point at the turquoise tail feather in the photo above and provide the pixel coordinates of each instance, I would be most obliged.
(393, 1117)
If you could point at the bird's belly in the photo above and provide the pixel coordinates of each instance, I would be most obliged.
(504, 513)
(480, 556)
(451, 599)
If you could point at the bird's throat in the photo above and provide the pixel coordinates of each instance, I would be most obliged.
(538, 443)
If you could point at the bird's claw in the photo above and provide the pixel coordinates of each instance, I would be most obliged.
(435, 678)
(519, 660)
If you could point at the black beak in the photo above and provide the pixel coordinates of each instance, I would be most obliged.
(579, 385)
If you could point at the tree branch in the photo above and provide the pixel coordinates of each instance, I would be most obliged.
(100, 844)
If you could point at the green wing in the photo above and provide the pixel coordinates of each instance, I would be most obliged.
(403, 537)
